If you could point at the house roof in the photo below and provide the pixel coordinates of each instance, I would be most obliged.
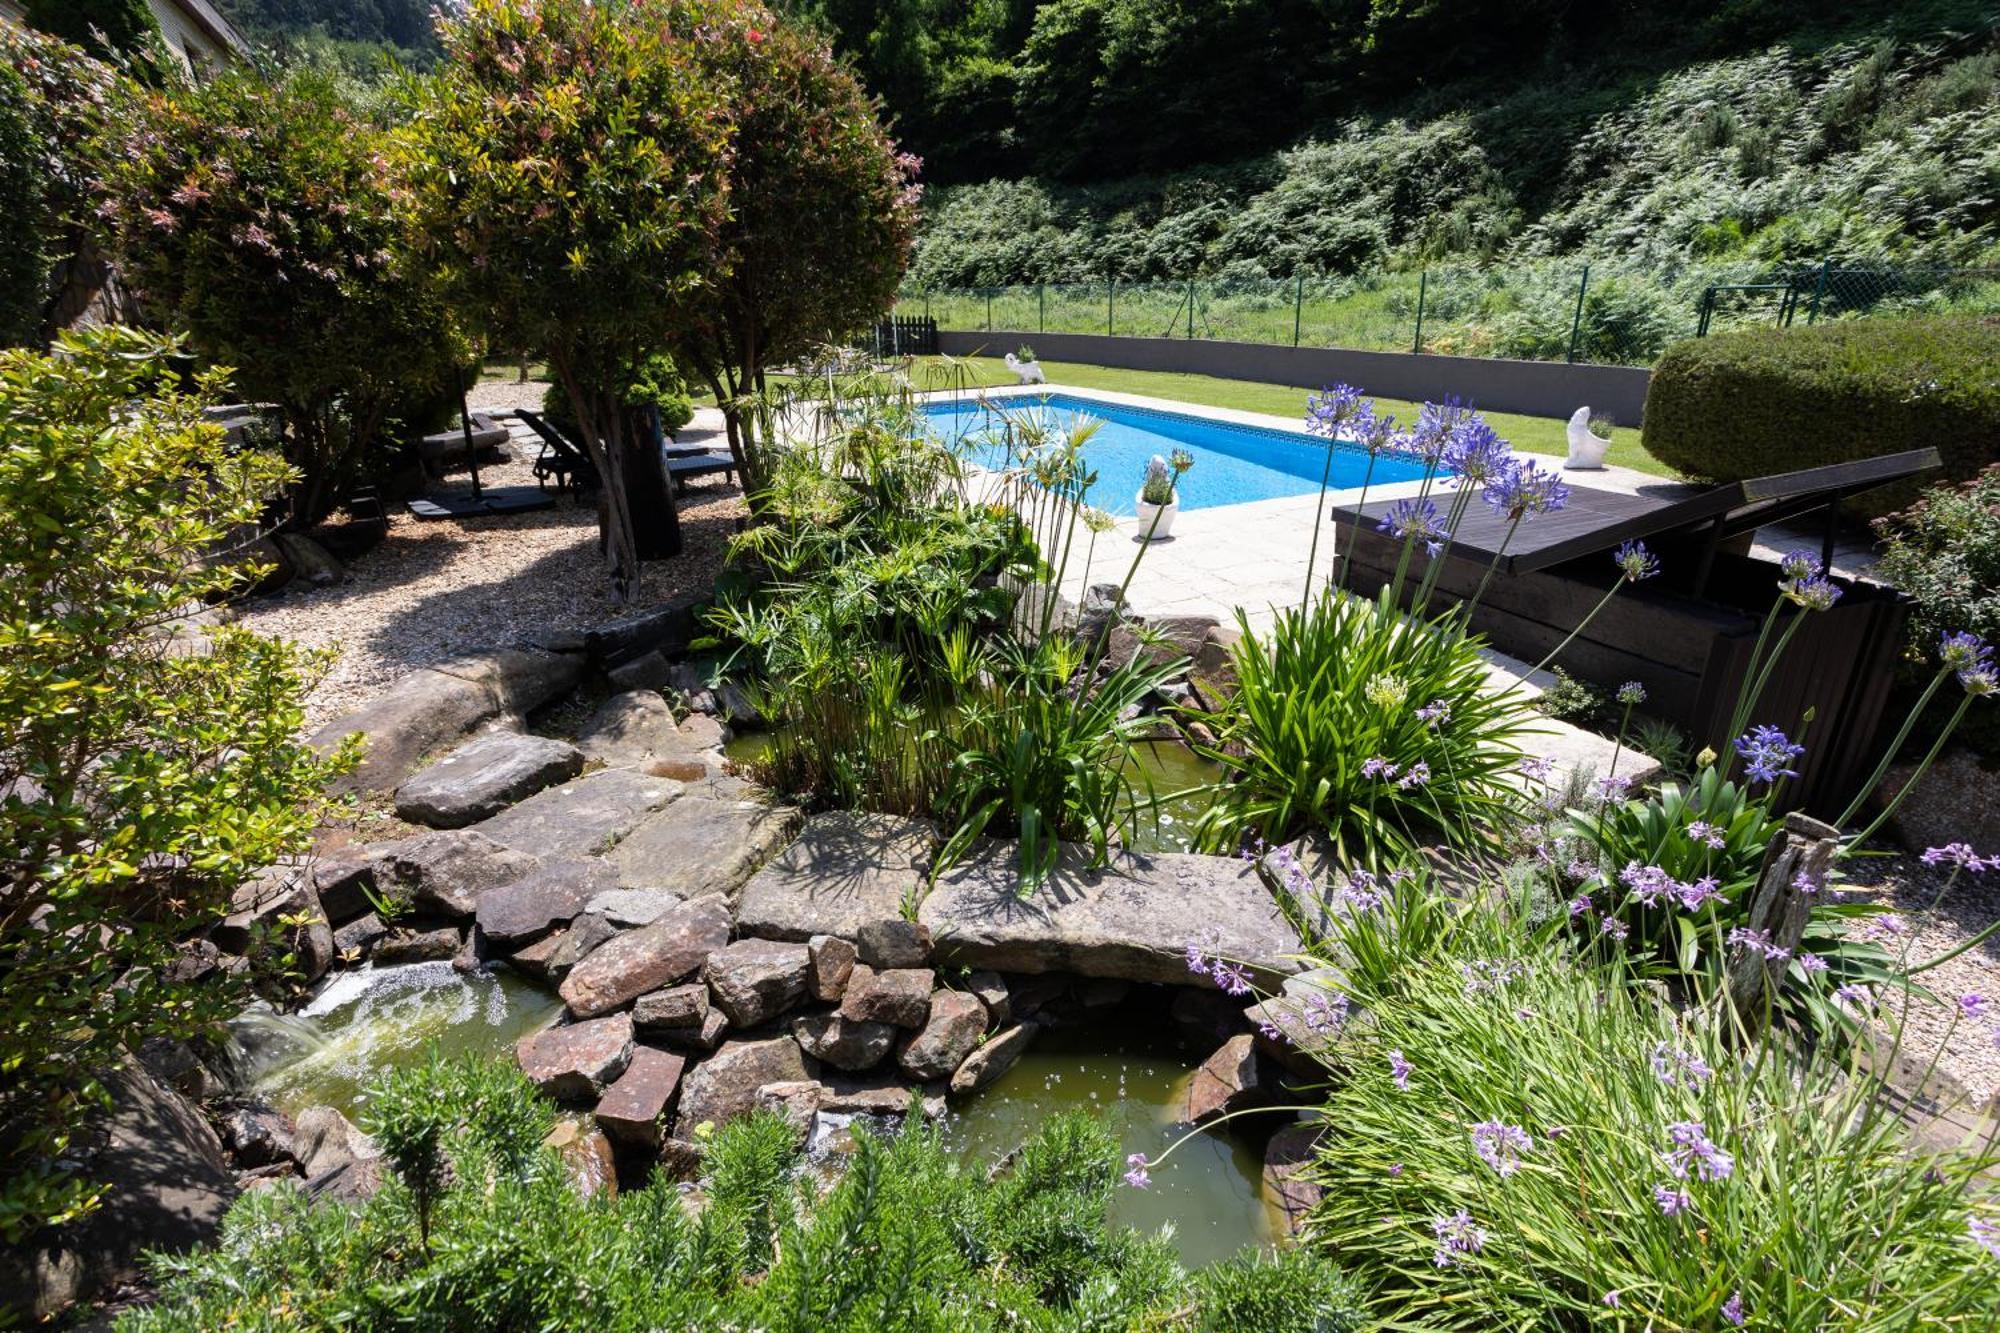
(202, 14)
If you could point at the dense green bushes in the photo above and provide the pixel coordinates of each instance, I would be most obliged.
(1759, 402)
(906, 1236)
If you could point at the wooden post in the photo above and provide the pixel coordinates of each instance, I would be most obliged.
(1779, 907)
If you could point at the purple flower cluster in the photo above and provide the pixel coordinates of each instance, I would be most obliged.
(1416, 775)
(1672, 1200)
(1758, 941)
(1501, 1145)
(1707, 834)
(1457, 1236)
(1650, 886)
(1732, 1309)
(1415, 520)
(1767, 754)
(1232, 977)
(1631, 693)
(1522, 489)
(1960, 856)
(1985, 1233)
(1329, 411)
(1135, 1175)
(1484, 976)
(1677, 1067)
(1435, 713)
(1972, 658)
(1537, 770)
(1475, 453)
(1376, 766)
(1693, 1151)
(1635, 562)
(1400, 1070)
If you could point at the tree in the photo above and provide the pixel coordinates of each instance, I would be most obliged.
(147, 769)
(255, 216)
(567, 170)
(108, 29)
(823, 218)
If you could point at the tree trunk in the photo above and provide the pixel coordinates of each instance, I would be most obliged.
(656, 522)
(602, 423)
(1779, 907)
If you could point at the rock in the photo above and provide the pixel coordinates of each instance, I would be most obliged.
(704, 1038)
(405, 945)
(844, 1043)
(582, 818)
(680, 1159)
(279, 911)
(673, 1007)
(733, 706)
(1103, 993)
(353, 942)
(632, 907)
(755, 980)
(577, 1062)
(648, 958)
(485, 776)
(1956, 800)
(690, 771)
(257, 1135)
(846, 869)
(551, 895)
(446, 872)
(724, 1086)
(1132, 921)
(796, 1102)
(699, 845)
(957, 1021)
(1230, 1080)
(648, 671)
(994, 993)
(1285, 1189)
(174, 1064)
(587, 1156)
(700, 733)
(894, 942)
(551, 958)
(632, 729)
(1214, 673)
(901, 996)
(1103, 603)
(992, 1059)
(832, 963)
(879, 1095)
(1171, 638)
(350, 1183)
(427, 710)
(345, 879)
(633, 1108)
(198, 958)
(324, 1140)
(309, 560)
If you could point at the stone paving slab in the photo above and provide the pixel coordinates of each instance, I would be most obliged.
(1132, 921)
(847, 869)
(484, 776)
(697, 846)
(581, 818)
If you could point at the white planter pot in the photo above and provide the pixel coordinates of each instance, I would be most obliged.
(1165, 524)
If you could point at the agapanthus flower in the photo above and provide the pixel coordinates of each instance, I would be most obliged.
(1635, 562)
(1957, 854)
(1696, 895)
(1416, 775)
(1672, 1200)
(1400, 1071)
(1631, 693)
(1501, 1145)
(1329, 410)
(1814, 594)
(1732, 1309)
(1372, 430)
(1474, 452)
(1613, 787)
(1613, 927)
(1794, 566)
(1647, 883)
(1694, 1151)
(1435, 713)
(1457, 1236)
(1135, 1175)
(1980, 681)
(1417, 520)
(1522, 489)
(1964, 652)
(1707, 834)
(1767, 754)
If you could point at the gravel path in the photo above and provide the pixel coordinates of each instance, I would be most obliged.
(435, 589)
(1942, 920)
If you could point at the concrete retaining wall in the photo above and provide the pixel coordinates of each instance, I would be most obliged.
(1534, 388)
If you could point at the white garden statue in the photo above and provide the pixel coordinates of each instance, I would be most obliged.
(1026, 372)
(1586, 449)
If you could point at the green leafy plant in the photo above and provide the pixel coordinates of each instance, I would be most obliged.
(150, 765)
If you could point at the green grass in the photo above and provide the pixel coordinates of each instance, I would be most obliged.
(1541, 435)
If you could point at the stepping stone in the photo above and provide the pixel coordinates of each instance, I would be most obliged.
(755, 980)
(576, 1063)
(672, 1007)
(626, 967)
(635, 728)
(901, 996)
(1132, 921)
(847, 869)
(957, 1021)
(993, 1059)
(845, 1043)
(581, 818)
(697, 846)
(448, 872)
(485, 776)
(632, 1108)
(725, 1085)
(833, 962)
(542, 899)
(632, 907)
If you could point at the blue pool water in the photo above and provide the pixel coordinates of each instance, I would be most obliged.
(1232, 463)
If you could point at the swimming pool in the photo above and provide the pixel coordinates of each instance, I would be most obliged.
(1232, 463)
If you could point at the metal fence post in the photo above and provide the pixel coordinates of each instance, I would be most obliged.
(1298, 305)
(1041, 307)
(1819, 290)
(1423, 287)
(1111, 309)
(927, 305)
(989, 310)
(1576, 321)
(1190, 309)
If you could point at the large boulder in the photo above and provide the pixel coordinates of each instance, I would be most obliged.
(1158, 640)
(309, 560)
(447, 872)
(428, 709)
(846, 870)
(553, 894)
(581, 818)
(632, 1110)
(755, 980)
(258, 1135)
(993, 1059)
(844, 1043)
(648, 958)
(698, 845)
(724, 1086)
(324, 1140)
(484, 776)
(957, 1021)
(279, 910)
(1133, 920)
(577, 1062)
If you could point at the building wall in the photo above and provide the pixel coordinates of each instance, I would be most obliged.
(189, 39)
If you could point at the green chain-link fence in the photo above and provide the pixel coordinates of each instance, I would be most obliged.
(1612, 314)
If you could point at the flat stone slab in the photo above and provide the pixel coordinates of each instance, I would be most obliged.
(632, 1109)
(1574, 750)
(847, 869)
(584, 817)
(446, 872)
(484, 776)
(577, 1062)
(697, 846)
(994, 1058)
(550, 896)
(629, 965)
(1133, 920)
(636, 728)
(632, 907)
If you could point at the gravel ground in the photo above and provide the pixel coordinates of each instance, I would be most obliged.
(435, 589)
(1942, 919)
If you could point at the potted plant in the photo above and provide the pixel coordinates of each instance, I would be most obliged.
(1159, 500)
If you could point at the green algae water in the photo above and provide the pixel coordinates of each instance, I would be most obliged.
(1208, 1191)
(366, 1022)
